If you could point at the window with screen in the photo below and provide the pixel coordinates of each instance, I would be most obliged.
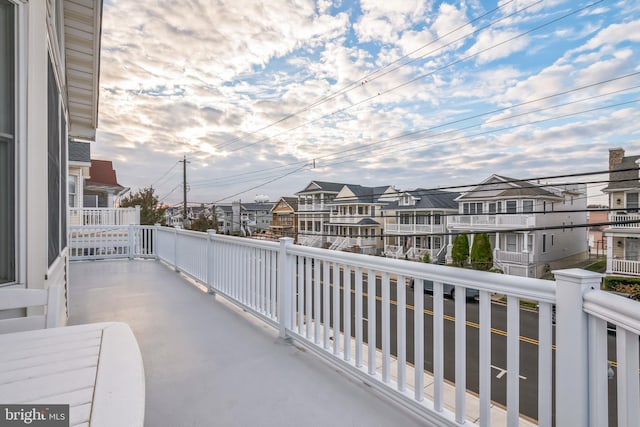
(7, 143)
(53, 166)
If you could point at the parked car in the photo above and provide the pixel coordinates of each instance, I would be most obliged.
(448, 289)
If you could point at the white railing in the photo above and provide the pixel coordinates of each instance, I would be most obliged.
(513, 257)
(624, 220)
(116, 241)
(313, 207)
(104, 216)
(313, 296)
(623, 266)
(492, 221)
(414, 228)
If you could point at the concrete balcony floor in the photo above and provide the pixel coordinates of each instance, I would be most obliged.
(208, 363)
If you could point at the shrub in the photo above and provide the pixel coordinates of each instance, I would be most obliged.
(481, 256)
(460, 250)
(426, 258)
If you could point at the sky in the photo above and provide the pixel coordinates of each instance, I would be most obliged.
(263, 97)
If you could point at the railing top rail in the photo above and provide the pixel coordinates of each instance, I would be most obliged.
(613, 308)
(529, 288)
(244, 241)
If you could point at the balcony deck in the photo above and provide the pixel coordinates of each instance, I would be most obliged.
(207, 362)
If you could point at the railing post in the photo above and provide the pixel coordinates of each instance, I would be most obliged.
(131, 240)
(572, 346)
(154, 240)
(210, 254)
(137, 215)
(285, 286)
(175, 248)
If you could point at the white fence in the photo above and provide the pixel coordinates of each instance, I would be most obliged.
(339, 305)
(117, 241)
(623, 266)
(104, 216)
(624, 221)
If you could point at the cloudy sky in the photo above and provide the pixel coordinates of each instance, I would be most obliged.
(263, 96)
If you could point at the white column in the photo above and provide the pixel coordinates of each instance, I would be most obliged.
(285, 287)
(572, 349)
(609, 254)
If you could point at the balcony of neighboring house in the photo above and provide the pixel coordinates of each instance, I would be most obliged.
(104, 216)
(392, 227)
(264, 333)
(623, 253)
(491, 221)
(624, 220)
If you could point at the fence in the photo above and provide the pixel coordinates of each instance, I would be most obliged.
(352, 310)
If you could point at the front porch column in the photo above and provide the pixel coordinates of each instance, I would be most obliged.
(524, 242)
(609, 254)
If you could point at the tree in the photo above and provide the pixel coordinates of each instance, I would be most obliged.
(150, 210)
(481, 256)
(460, 250)
(203, 223)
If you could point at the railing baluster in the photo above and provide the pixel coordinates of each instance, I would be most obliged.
(359, 316)
(485, 358)
(316, 301)
(513, 360)
(545, 360)
(371, 320)
(347, 311)
(598, 380)
(418, 336)
(386, 328)
(326, 291)
(438, 345)
(308, 295)
(628, 386)
(336, 308)
(401, 331)
(461, 353)
(300, 286)
(274, 283)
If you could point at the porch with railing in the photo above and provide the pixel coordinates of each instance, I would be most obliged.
(414, 228)
(492, 221)
(624, 220)
(352, 310)
(104, 216)
(625, 267)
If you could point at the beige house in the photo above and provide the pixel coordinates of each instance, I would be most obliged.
(284, 218)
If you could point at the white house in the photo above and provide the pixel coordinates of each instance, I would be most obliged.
(356, 218)
(416, 224)
(314, 211)
(623, 235)
(49, 95)
(530, 225)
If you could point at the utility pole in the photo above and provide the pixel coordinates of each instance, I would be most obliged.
(184, 191)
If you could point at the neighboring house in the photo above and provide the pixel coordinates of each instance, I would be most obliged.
(529, 224)
(355, 222)
(48, 96)
(416, 224)
(258, 216)
(284, 218)
(623, 235)
(101, 189)
(173, 216)
(243, 218)
(597, 241)
(314, 211)
(79, 166)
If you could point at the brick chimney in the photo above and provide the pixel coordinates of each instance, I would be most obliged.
(615, 157)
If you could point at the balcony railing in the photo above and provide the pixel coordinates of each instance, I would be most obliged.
(492, 221)
(627, 267)
(299, 290)
(624, 221)
(104, 216)
(414, 228)
(336, 218)
(523, 258)
(313, 207)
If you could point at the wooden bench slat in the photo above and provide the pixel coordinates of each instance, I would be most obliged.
(35, 359)
(52, 385)
(48, 369)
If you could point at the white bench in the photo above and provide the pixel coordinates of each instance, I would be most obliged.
(95, 368)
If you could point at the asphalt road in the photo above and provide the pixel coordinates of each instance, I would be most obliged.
(528, 343)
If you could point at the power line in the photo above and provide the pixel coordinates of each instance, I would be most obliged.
(165, 174)
(475, 116)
